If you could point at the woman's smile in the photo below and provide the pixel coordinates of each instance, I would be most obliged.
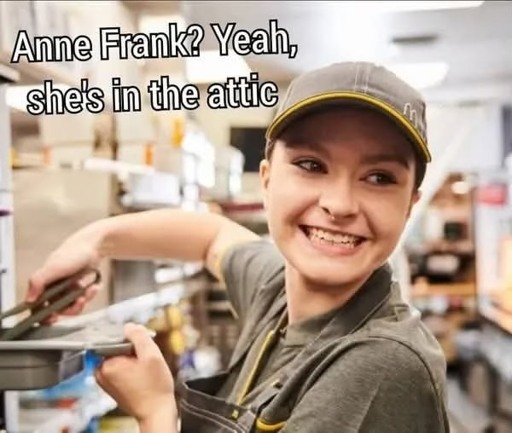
(333, 243)
(338, 192)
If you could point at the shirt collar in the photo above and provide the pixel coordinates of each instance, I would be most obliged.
(367, 301)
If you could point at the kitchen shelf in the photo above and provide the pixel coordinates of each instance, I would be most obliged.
(464, 290)
(497, 316)
(35, 73)
(141, 308)
(72, 420)
(9, 74)
(97, 404)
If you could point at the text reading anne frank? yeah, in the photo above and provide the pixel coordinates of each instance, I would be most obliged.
(113, 43)
(235, 92)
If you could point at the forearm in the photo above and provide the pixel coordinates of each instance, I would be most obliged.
(168, 233)
(164, 422)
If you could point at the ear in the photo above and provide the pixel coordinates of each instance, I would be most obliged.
(265, 178)
(414, 199)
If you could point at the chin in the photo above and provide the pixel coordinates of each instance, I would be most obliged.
(319, 278)
(325, 267)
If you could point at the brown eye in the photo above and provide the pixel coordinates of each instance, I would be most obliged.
(381, 179)
(311, 166)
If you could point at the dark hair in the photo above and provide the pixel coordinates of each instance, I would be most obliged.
(419, 172)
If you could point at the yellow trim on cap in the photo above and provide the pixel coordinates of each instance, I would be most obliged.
(263, 426)
(358, 96)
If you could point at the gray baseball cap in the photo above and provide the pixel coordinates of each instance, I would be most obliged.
(360, 83)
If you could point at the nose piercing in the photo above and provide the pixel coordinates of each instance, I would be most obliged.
(331, 215)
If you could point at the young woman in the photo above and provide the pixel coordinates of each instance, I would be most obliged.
(328, 344)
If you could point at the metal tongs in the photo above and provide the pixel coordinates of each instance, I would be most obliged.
(55, 298)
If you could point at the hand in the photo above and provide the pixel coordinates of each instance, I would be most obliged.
(74, 254)
(142, 385)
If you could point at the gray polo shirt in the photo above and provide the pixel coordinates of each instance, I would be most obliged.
(379, 370)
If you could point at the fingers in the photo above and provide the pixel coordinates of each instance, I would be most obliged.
(142, 342)
(111, 368)
(58, 266)
(101, 380)
(75, 308)
(145, 350)
(78, 306)
(91, 292)
(43, 278)
(36, 286)
(72, 310)
(51, 319)
(98, 375)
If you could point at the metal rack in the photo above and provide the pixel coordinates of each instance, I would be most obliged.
(8, 400)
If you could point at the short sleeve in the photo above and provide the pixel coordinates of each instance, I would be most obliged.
(380, 386)
(245, 268)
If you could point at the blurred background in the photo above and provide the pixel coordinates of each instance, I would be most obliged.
(61, 172)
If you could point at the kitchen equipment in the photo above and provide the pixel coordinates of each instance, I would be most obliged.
(443, 267)
(69, 289)
(455, 231)
(36, 356)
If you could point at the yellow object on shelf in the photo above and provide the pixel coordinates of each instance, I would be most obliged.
(177, 131)
(158, 323)
(47, 155)
(177, 342)
(425, 290)
(174, 317)
(149, 153)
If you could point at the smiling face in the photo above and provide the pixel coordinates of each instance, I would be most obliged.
(338, 192)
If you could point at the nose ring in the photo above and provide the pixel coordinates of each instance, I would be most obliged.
(331, 215)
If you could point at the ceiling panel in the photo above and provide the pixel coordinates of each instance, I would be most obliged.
(474, 42)
(152, 7)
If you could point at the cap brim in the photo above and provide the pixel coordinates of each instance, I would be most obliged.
(317, 102)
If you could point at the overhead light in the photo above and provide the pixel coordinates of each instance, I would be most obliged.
(421, 39)
(421, 75)
(211, 67)
(122, 169)
(410, 6)
(16, 96)
(160, 23)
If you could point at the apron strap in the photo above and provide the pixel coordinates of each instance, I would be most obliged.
(376, 292)
(247, 420)
(267, 308)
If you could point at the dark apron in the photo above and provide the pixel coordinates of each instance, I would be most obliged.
(203, 412)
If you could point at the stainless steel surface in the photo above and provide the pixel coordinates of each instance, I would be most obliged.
(49, 355)
(65, 338)
(38, 370)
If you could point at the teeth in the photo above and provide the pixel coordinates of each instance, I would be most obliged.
(333, 238)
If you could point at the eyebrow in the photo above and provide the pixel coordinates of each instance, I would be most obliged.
(297, 143)
(387, 157)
